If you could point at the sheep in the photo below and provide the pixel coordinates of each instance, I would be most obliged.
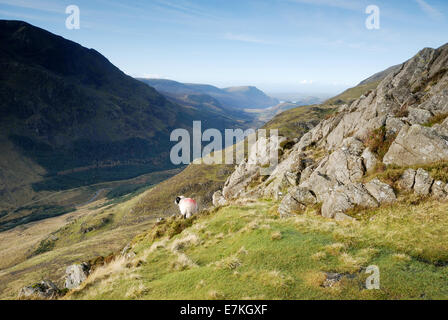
(187, 206)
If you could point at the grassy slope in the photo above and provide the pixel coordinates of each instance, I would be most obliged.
(350, 95)
(288, 122)
(115, 222)
(249, 253)
(111, 222)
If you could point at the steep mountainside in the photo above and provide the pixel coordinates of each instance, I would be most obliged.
(390, 141)
(229, 98)
(70, 118)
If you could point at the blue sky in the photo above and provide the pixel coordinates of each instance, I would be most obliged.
(304, 46)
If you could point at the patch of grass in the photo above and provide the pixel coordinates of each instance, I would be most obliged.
(294, 268)
(294, 123)
(378, 142)
(44, 246)
(439, 118)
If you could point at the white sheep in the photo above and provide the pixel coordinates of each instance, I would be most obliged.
(187, 206)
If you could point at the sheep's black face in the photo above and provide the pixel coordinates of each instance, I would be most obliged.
(177, 200)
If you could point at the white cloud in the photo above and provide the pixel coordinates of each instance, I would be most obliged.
(146, 75)
(307, 82)
(243, 38)
(429, 10)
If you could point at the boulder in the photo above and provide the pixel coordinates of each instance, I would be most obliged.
(382, 192)
(76, 274)
(423, 182)
(346, 197)
(369, 159)
(393, 125)
(345, 164)
(41, 290)
(296, 200)
(438, 190)
(417, 145)
(127, 252)
(418, 116)
(407, 180)
(218, 199)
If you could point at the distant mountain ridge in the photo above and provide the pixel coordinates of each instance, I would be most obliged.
(245, 97)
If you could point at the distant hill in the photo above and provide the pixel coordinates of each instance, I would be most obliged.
(69, 118)
(196, 96)
(229, 98)
(252, 97)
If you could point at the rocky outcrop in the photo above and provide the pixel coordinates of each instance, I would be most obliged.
(41, 290)
(262, 155)
(76, 274)
(329, 162)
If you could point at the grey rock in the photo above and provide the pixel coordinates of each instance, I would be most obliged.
(382, 192)
(218, 199)
(263, 153)
(76, 274)
(423, 182)
(417, 145)
(127, 252)
(394, 125)
(407, 180)
(296, 200)
(438, 190)
(339, 216)
(418, 116)
(369, 159)
(45, 289)
(346, 197)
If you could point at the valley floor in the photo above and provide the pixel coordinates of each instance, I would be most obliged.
(248, 252)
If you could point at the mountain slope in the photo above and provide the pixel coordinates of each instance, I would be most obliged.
(77, 118)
